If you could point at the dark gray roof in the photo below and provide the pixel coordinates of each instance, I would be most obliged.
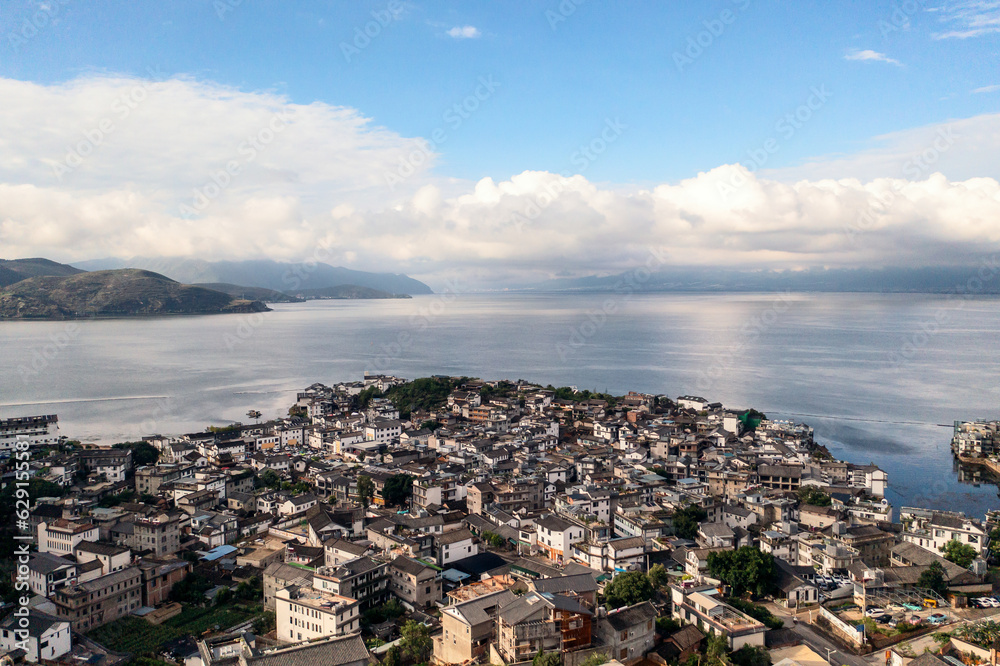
(38, 622)
(409, 566)
(46, 563)
(99, 548)
(333, 652)
(577, 583)
(631, 616)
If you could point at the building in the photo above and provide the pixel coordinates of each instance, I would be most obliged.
(47, 573)
(556, 536)
(716, 617)
(455, 545)
(468, 628)
(413, 582)
(112, 558)
(306, 613)
(159, 577)
(339, 651)
(61, 536)
(363, 579)
(158, 535)
(115, 465)
(44, 638)
(36, 430)
(279, 575)
(541, 622)
(94, 603)
(934, 529)
(628, 632)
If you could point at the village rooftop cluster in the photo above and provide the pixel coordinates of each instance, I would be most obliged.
(451, 520)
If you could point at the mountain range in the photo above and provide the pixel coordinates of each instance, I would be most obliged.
(125, 292)
(285, 277)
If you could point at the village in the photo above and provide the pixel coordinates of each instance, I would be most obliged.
(452, 520)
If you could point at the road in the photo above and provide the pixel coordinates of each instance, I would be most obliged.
(820, 644)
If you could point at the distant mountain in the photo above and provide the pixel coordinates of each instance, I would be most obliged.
(116, 293)
(279, 276)
(879, 280)
(15, 270)
(250, 293)
(346, 291)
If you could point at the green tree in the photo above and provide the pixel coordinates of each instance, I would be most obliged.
(547, 659)
(392, 657)
(717, 650)
(264, 623)
(143, 453)
(933, 578)
(745, 569)
(627, 589)
(416, 643)
(269, 479)
(658, 576)
(366, 490)
(667, 625)
(430, 425)
(751, 655)
(960, 553)
(595, 659)
(687, 520)
(995, 543)
(814, 496)
(397, 489)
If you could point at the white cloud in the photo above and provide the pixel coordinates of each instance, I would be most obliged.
(986, 89)
(464, 32)
(968, 18)
(868, 54)
(321, 180)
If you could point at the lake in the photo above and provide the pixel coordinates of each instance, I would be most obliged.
(880, 377)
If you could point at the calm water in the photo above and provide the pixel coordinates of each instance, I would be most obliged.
(874, 374)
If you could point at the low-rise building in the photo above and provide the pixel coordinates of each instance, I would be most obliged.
(414, 582)
(96, 602)
(44, 638)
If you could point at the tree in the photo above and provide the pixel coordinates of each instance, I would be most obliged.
(397, 489)
(687, 520)
(143, 453)
(430, 425)
(814, 496)
(627, 589)
(751, 655)
(933, 578)
(745, 569)
(716, 650)
(416, 643)
(960, 553)
(264, 623)
(995, 543)
(366, 490)
(547, 659)
(658, 576)
(269, 479)
(595, 659)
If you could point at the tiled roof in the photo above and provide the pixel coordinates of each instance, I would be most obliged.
(333, 652)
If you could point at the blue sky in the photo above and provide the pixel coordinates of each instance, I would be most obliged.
(557, 84)
(883, 79)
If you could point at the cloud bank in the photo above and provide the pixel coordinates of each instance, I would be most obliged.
(118, 166)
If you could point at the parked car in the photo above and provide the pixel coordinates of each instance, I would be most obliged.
(875, 612)
(911, 607)
(937, 618)
(894, 607)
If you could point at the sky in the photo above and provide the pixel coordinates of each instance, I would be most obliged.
(502, 141)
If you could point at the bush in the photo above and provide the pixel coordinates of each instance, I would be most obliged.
(758, 613)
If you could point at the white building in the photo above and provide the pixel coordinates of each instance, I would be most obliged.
(36, 430)
(932, 530)
(46, 636)
(556, 537)
(60, 537)
(305, 613)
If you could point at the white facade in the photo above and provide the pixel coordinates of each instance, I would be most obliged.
(62, 536)
(36, 430)
(47, 637)
(305, 614)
